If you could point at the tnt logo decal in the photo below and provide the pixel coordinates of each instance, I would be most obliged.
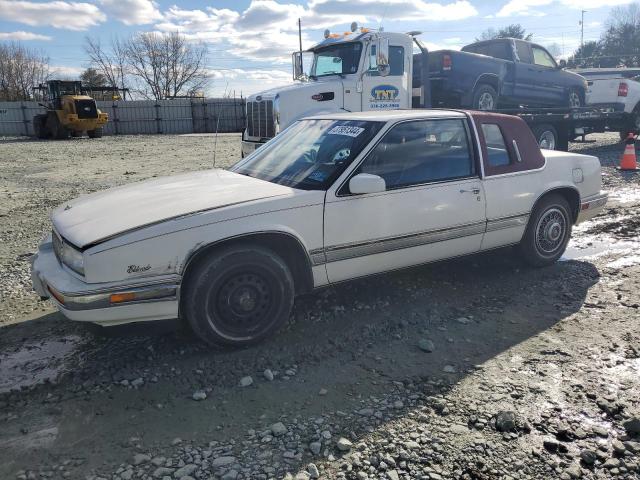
(384, 96)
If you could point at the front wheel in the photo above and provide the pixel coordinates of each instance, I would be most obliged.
(548, 231)
(238, 296)
(97, 133)
(485, 98)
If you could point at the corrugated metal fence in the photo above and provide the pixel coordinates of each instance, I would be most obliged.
(139, 117)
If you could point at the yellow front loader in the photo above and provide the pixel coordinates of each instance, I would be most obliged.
(70, 112)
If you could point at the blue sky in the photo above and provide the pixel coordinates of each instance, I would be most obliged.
(250, 41)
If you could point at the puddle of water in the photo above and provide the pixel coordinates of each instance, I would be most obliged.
(36, 363)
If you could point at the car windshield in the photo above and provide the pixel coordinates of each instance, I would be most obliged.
(336, 59)
(310, 154)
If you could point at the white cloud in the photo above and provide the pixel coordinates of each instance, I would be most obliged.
(23, 36)
(66, 72)
(267, 30)
(246, 81)
(58, 14)
(132, 12)
(530, 8)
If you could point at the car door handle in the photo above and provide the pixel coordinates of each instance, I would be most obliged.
(475, 191)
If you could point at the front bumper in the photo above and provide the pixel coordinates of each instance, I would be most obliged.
(591, 206)
(106, 304)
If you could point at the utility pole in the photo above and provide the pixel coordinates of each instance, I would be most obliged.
(582, 30)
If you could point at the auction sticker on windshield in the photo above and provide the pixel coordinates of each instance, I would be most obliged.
(346, 130)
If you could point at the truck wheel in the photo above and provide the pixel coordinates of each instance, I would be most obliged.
(40, 127)
(58, 131)
(485, 98)
(574, 99)
(546, 136)
(238, 296)
(97, 133)
(548, 231)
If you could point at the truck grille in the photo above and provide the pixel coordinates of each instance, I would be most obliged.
(260, 119)
(86, 109)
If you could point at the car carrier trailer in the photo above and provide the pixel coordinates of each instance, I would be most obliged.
(376, 70)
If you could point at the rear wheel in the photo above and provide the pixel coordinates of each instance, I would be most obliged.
(238, 296)
(548, 231)
(546, 136)
(574, 99)
(97, 133)
(485, 98)
(40, 126)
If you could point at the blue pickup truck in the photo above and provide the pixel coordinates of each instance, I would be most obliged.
(502, 73)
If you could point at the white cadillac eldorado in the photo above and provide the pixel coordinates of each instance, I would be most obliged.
(332, 198)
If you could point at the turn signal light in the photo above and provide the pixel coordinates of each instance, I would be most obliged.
(122, 297)
(623, 89)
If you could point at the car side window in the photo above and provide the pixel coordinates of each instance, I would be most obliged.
(396, 61)
(524, 54)
(418, 152)
(496, 147)
(541, 57)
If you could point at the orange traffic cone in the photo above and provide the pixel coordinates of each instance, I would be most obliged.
(628, 160)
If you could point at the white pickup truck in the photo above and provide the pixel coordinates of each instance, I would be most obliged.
(332, 198)
(614, 88)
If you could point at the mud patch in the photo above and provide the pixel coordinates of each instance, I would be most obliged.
(35, 363)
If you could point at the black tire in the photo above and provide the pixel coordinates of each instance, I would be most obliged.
(40, 127)
(58, 131)
(97, 133)
(575, 98)
(485, 98)
(546, 136)
(237, 296)
(548, 231)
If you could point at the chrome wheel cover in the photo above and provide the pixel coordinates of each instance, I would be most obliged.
(551, 231)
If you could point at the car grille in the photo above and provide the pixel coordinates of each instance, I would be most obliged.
(260, 119)
(57, 245)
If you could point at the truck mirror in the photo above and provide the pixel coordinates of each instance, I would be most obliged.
(382, 52)
(296, 60)
(384, 70)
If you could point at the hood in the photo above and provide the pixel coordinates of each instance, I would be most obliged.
(95, 217)
(302, 99)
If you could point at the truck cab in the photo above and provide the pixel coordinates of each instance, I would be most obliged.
(353, 71)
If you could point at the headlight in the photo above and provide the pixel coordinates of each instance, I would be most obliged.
(68, 255)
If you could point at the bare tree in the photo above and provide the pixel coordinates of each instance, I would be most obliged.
(21, 69)
(110, 62)
(167, 65)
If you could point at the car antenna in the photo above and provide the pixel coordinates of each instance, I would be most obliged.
(215, 138)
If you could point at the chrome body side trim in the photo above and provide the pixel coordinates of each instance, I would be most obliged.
(507, 222)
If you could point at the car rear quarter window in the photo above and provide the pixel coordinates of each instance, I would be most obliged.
(418, 152)
(524, 52)
(496, 146)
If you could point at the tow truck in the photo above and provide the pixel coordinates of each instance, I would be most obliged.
(371, 69)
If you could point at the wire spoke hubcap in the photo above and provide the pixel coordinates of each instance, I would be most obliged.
(550, 231)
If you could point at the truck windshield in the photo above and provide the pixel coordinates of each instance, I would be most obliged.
(336, 59)
(310, 154)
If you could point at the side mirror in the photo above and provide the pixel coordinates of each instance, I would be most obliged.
(382, 52)
(562, 64)
(367, 183)
(296, 60)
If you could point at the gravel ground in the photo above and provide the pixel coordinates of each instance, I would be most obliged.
(478, 368)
